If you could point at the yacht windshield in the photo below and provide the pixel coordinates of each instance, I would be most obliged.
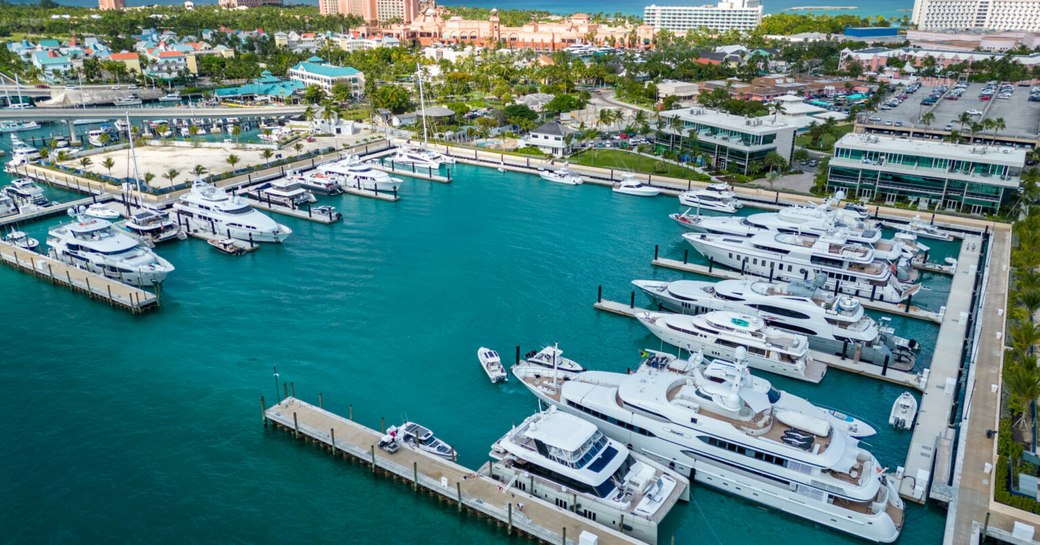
(238, 211)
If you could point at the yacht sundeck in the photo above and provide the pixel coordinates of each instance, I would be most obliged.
(286, 192)
(421, 438)
(21, 240)
(26, 191)
(153, 225)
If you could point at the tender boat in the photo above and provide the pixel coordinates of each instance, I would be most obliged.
(421, 438)
(736, 441)
(93, 245)
(923, 229)
(631, 186)
(685, 219)
(18, 126)
(211, 209)
(26, 191)
(561, 176)
(101, 211)
(551, 357)
(716, 197)
(229, 246)
(720, 334)
(492, 365)
(833, 323)
(354, 173)
(562, 459)
(421, 158)
(153, 225)
(286, 192)
(904, 412)
(172, 96)
(21, 240)
(328, 211)
(129, 100)
(317, 182)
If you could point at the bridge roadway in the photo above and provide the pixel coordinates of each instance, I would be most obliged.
(63, 114)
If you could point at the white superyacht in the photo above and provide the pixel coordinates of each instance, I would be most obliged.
(564, 459)
(721, 334)
(354, 173)
(715, 197)
(93, 245)
(832, 323)
(851, 267)
(791, 461)
(211, 209)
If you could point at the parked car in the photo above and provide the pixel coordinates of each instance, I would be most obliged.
(948, 127)
(973, 112)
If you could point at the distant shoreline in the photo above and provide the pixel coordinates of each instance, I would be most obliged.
(820, 8)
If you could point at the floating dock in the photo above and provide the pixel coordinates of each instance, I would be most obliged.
(834, 361)
(301, 213)
(933, 416)
(96, 286)
(437, 476)
(41, 212)
(390, 167)
(719, 271)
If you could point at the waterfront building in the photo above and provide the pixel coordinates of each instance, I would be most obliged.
(726, 15)
(436, 26)
(874, 59)
(237, 4)
(372, 11)
(52, 64)
(550, 138)
(972, 178)
(977, 14)
(315, 71)
(267, 88)
(730, 142)
(111, 4)
(971, 41)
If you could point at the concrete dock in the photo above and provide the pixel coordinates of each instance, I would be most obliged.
(719, 271)
(40, 212)
(834, 361)
(301, 213)
(437, 476)
(933, 416)
(388, 166)
(96, 286)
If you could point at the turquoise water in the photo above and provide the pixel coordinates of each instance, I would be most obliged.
(147, 428)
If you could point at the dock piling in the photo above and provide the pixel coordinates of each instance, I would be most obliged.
(332, 435)
(909, 298)
(415, 475)
(292, 386)
(263, 410)
(563, 541)
(686, 256)
(509, 508)
(518, 354)
(656, 249)
(373, 451)
(285, 390)
(884, 367)
(458, 491)
(632, 300)
(599, 293)
(382, 424)
(351, 413)
(320, 404)
(296, 424)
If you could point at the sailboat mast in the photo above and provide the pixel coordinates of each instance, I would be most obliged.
(422, 104)
(6, 94)
(18, 88)
(133, 153)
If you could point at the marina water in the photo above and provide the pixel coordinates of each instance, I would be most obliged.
(147, 428)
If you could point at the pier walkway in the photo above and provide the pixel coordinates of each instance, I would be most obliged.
(833, 361)
(41, 212)
(719, 271)
(459, 485)
(96, 286)
(933, 416)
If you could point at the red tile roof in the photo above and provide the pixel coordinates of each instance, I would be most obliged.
(123, 56)
(167, 54)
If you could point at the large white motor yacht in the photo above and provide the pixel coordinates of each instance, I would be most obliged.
(26, 191)
(738, 442)
(93, 245)
(630, 185)
(316, 182)
(834, 324)
(152, 225)
(561, 176)
(210, 208)
(716, 197)
(354, 173)
(850, 267)
(720, 334)
(288, 192)
(565, 460)
(7, 205)
(421, 158)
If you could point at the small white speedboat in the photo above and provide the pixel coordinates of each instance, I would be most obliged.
(492, 365)
(717, 197)
(421, 438)
(686, 220)
(101, 211)
(561, 176)
(855, 427)
(904, 411)
(21, 240)
(631, 186)
(923, 229)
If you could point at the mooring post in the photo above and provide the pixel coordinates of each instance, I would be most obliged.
(564, 540)
(657, 247)
(296, 424)
(884, 368)
(772, 265)
(909, 299)
(415, 475)
(382, 424)
(509, 511)
(632, 300)
(458, 490)
(599, 294)
(518, 354)
(373, 458)
(711, 264)
(837, 286)
(319, 401)
(873, 291)
(263, 410)
(844, 348)
(351, 413)
(285, 390)
(292, 386)
(332, 435)
(685, 256)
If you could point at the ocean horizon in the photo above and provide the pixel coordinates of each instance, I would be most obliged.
(883, 8)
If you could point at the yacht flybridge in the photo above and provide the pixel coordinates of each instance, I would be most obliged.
(832, 323)
(734, 439)
(564, 459)
(722, 334)
(850, 267)
(716, 197)
(210, 208)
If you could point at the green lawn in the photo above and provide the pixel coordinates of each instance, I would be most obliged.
(828, 139)
(622, 160)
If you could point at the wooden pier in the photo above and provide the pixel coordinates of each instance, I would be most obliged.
(834, 361)
(40, 212)
(719, 271)
(427, 174)
(933, 416)
(300, 213)
(437, 476)
(96, 286)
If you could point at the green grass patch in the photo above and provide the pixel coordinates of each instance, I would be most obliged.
(828, 140)
(622, 160)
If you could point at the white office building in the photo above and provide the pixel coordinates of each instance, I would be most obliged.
(1022, 15)
(726, 15)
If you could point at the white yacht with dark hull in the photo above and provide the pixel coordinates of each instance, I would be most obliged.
(851, 267)
(721, 334)
(716, 197)
(832, 323)
(563, 459)
(740, 443)
(93, 245)
(210, 208)
(153, 225)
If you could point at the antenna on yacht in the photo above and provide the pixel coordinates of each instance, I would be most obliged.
(133, 153)
(422, 103)
(556, 371)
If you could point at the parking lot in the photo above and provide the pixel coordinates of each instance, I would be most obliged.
(1021, 117)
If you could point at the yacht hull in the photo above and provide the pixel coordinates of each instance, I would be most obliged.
(143, 278)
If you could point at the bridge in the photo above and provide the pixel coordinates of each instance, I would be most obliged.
(65, 114)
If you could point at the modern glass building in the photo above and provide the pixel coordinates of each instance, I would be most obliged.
(977, 179)
(727, 141)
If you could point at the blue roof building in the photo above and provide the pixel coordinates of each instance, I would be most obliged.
(316, 71)
(51, 64)
(266, 88)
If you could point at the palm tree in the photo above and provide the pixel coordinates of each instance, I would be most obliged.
(772, 177)
(108, 163)
(1022, 382)
(193, 131)
(85, 162)
(298, 147)
(162, 129)
(267, 154)
(232, 160)
(997, 125)
(954, 136)
(927, 119)
(198, 171)
(63, 156)
(170, 175)
(964, 119)
(778, 108)
(1030, 299)
(148, 177)
(105, 138)
(235, 131)
(676, 124)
